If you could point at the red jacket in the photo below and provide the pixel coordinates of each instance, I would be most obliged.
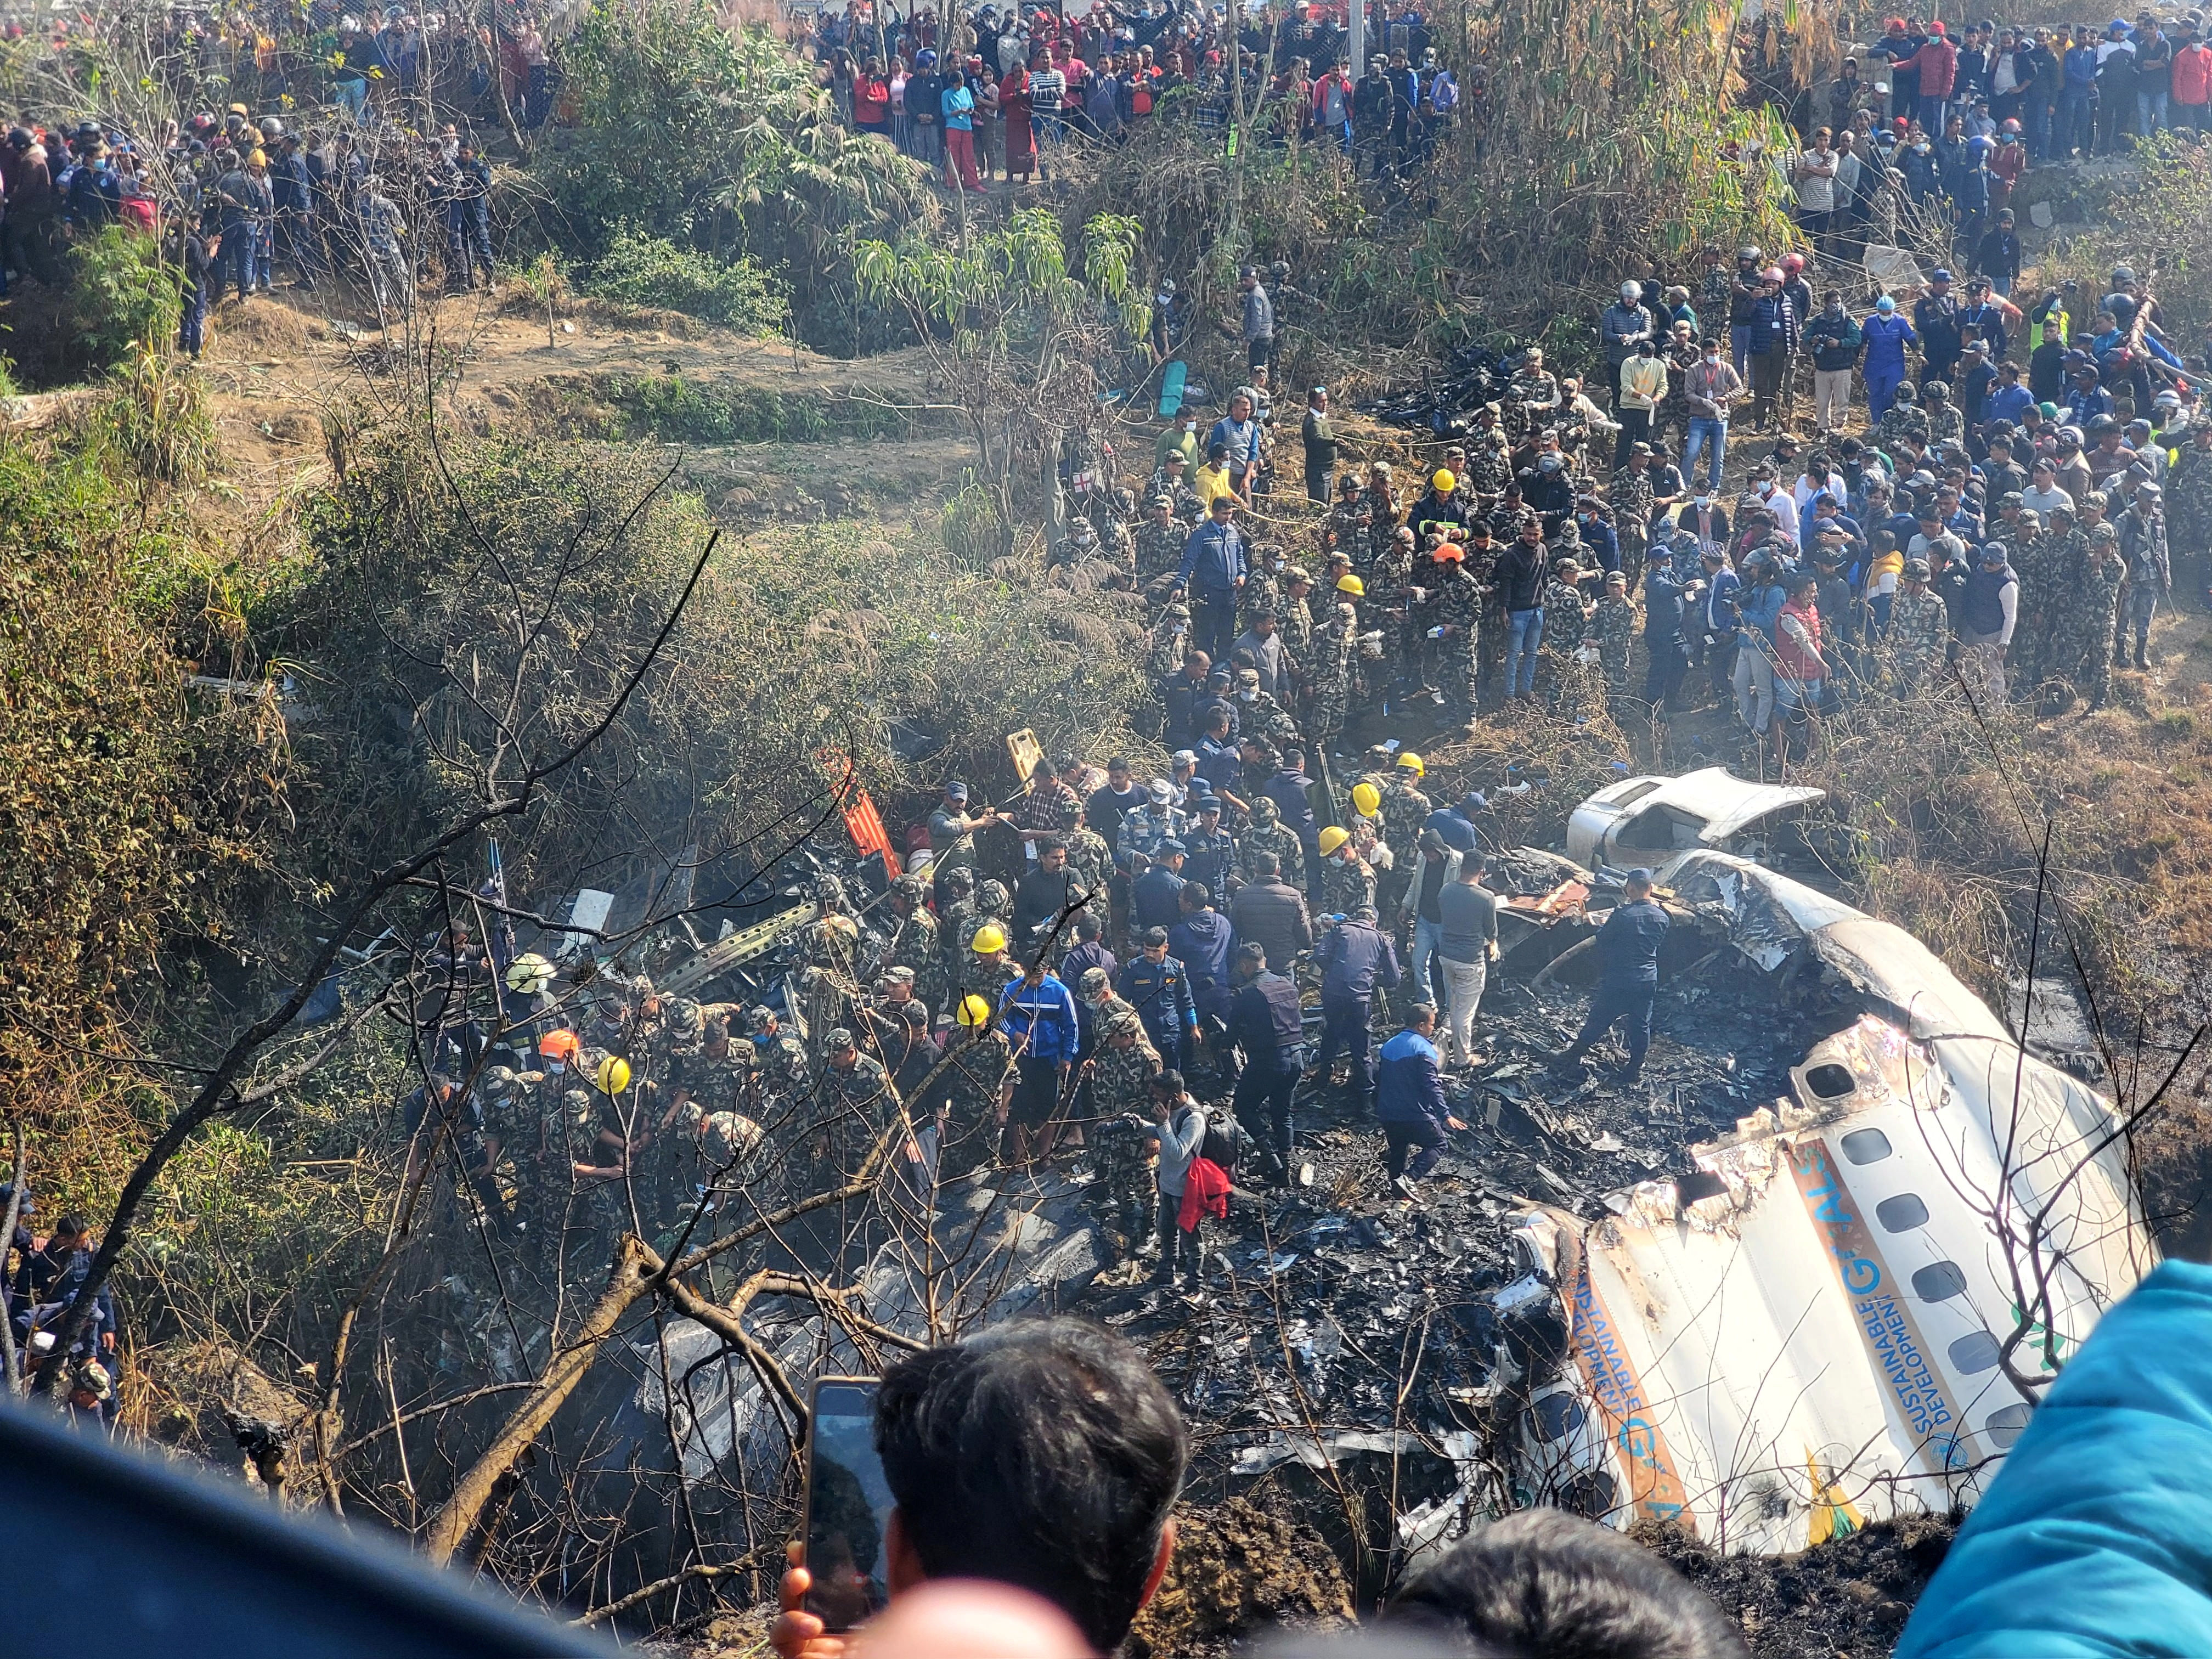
(1800, 660)
(1938, 63)
(1204, 1193)
(2192, 76)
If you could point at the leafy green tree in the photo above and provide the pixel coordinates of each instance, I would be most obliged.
(1020, 340)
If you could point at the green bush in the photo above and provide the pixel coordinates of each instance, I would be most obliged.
(120, 294)
(643, 269)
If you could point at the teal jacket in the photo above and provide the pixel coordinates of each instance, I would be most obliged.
(2094, 1540)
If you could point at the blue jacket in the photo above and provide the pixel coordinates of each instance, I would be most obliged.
(1044, 1017)
(2090, 1542)
(1760, 606)
(1201, 940)
(1160, 992)
(1598, 536)
(1353, 960)
(1213, 560)
(1628, 945)
(1288, 790)
(1662, 603)
(1154, 898)
(1091, 954)
(1886, 336)
(1408, 1087)
(2080, 64)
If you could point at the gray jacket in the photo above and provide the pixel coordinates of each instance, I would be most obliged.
(1179, 1143)
(1259, 315)
(1634, 321)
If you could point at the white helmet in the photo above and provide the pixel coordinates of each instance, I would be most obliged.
(1631, 293)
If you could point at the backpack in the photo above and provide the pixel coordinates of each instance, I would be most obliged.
(1226, 1143)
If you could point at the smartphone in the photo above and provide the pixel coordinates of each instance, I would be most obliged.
(849, 1504)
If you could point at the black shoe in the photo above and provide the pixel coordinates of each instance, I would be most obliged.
(2141, 661)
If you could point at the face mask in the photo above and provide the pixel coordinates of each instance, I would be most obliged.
(554, 1067)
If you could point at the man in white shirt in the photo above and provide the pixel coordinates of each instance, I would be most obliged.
(1775, 500)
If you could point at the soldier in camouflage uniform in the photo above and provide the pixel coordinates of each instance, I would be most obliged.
(1262, 592)
(1531, 396)
(1159, 540)
(1456, 607)
(986, 973)
(2036, 551)
(955, 920)
(1170, 640)
(1566, 613)
(1615, 627)
(1903, 417)
(1121, 1071)
(1329, 694)
(971, 1092)
(1346, 880)
(1947, 424)
(2189, 508)
(1489, 460)
(2092, 614)
(1090, 860)
(1919, 629)
(853, 1103)
(1345, 529)
(1269, 834)
(1380, 504)
(1295, 621)
(1631, 497)
(1405, 810)
(914, 942)
(1261, 713)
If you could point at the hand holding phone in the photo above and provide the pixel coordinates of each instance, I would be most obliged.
(848, 1505)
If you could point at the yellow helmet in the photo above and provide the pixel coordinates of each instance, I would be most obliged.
(1348, 583)
(974, 1010)
(1412, 762)
(1367, 798)
(613, 1075)
(1442, 481)
(529, 973)
(988, 940)
(1334, 837)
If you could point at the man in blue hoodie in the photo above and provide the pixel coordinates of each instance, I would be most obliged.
(1410, 1102)
(1201, 941)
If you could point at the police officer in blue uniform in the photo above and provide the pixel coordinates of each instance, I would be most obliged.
(1628, 976)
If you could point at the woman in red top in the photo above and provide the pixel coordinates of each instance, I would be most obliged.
(1021, 137)
(871, 100)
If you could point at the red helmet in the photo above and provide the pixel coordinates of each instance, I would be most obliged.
(1772, 274)
(1793, 262)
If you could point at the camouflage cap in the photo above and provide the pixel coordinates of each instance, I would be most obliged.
(1123, 1023)
(1263, 812)
(908, 887)
(1092, 982)
(898, 976)
(838, 1041)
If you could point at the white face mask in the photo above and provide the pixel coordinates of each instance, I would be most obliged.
(554, 1067)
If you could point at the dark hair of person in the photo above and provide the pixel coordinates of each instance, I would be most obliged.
(1042, 1453)
(1546, 1584)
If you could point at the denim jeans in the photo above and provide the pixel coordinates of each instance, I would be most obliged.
(353, 96)
(2077, 113)
(1739, 348)
(1428, 936)
(1704, 430)
(192, 327)
(2150, 113)
(1526, 639)
(2038, 130)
